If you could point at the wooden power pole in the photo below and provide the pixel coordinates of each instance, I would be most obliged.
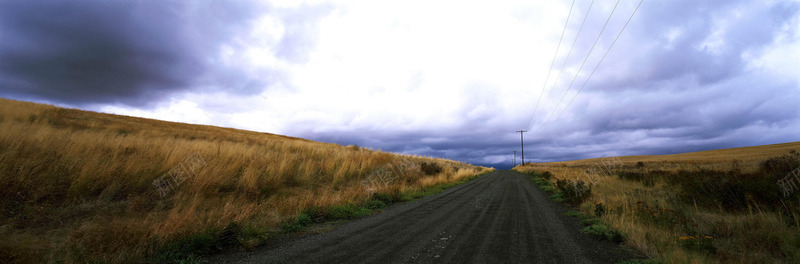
(522, 143)
(514, 163)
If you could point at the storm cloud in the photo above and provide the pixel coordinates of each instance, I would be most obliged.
(684, 77)
(127, 52)
(451, 80)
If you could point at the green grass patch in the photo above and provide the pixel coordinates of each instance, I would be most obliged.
(603, 232)
(596, 228)
(574, 193)
(557, 197)
(544, 184)
(573, 213)
(590, 221)
(542, 179)
(191, 249)
(375, 204)
(297, 224)
(347, 211)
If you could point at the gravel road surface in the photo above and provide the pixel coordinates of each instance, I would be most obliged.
(501, 217)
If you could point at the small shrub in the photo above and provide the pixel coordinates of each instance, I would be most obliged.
(430, 168)
(646, 178)
(600, 209)
(781, 165)
(574, 192)
(727, 189)
(384, 197)
(640, 164)
(303, 219)
(316, 214)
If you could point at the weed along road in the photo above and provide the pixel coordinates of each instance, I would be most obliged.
(498, 218)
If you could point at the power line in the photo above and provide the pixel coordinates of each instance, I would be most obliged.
(555, 109)
(566, 59)
(601, 59)
(544, 86)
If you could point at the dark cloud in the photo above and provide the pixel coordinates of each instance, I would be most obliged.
(678, 81)
(129, 52)
(697, 43)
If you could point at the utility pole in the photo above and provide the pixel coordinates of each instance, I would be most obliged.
(514, 164)
(522, 143)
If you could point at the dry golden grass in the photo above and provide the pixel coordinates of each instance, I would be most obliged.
(662, 224)
(747, 157)
(80, 186)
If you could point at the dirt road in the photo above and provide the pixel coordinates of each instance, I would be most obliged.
(501, 217)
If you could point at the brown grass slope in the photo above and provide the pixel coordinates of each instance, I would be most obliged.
(750, 156)
(718, 206)
(78, 186)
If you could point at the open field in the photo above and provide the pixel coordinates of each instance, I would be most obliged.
(748, 158)
(80, 186)
(717, 206)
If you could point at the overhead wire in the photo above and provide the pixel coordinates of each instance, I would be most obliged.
(601, 60)
(544, 86)
(555, 109)
(561, 70)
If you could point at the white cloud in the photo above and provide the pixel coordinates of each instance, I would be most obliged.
(405, 65)
(184, 110)
(446, 78)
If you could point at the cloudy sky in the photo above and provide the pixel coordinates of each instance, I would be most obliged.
(450, 79)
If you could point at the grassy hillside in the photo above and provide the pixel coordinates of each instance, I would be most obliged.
(80, 186)
(718, 206)
(747, 157)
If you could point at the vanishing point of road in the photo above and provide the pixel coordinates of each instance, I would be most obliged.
(501, 217)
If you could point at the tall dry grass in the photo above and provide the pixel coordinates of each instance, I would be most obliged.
(80, 186)
(721, 206)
